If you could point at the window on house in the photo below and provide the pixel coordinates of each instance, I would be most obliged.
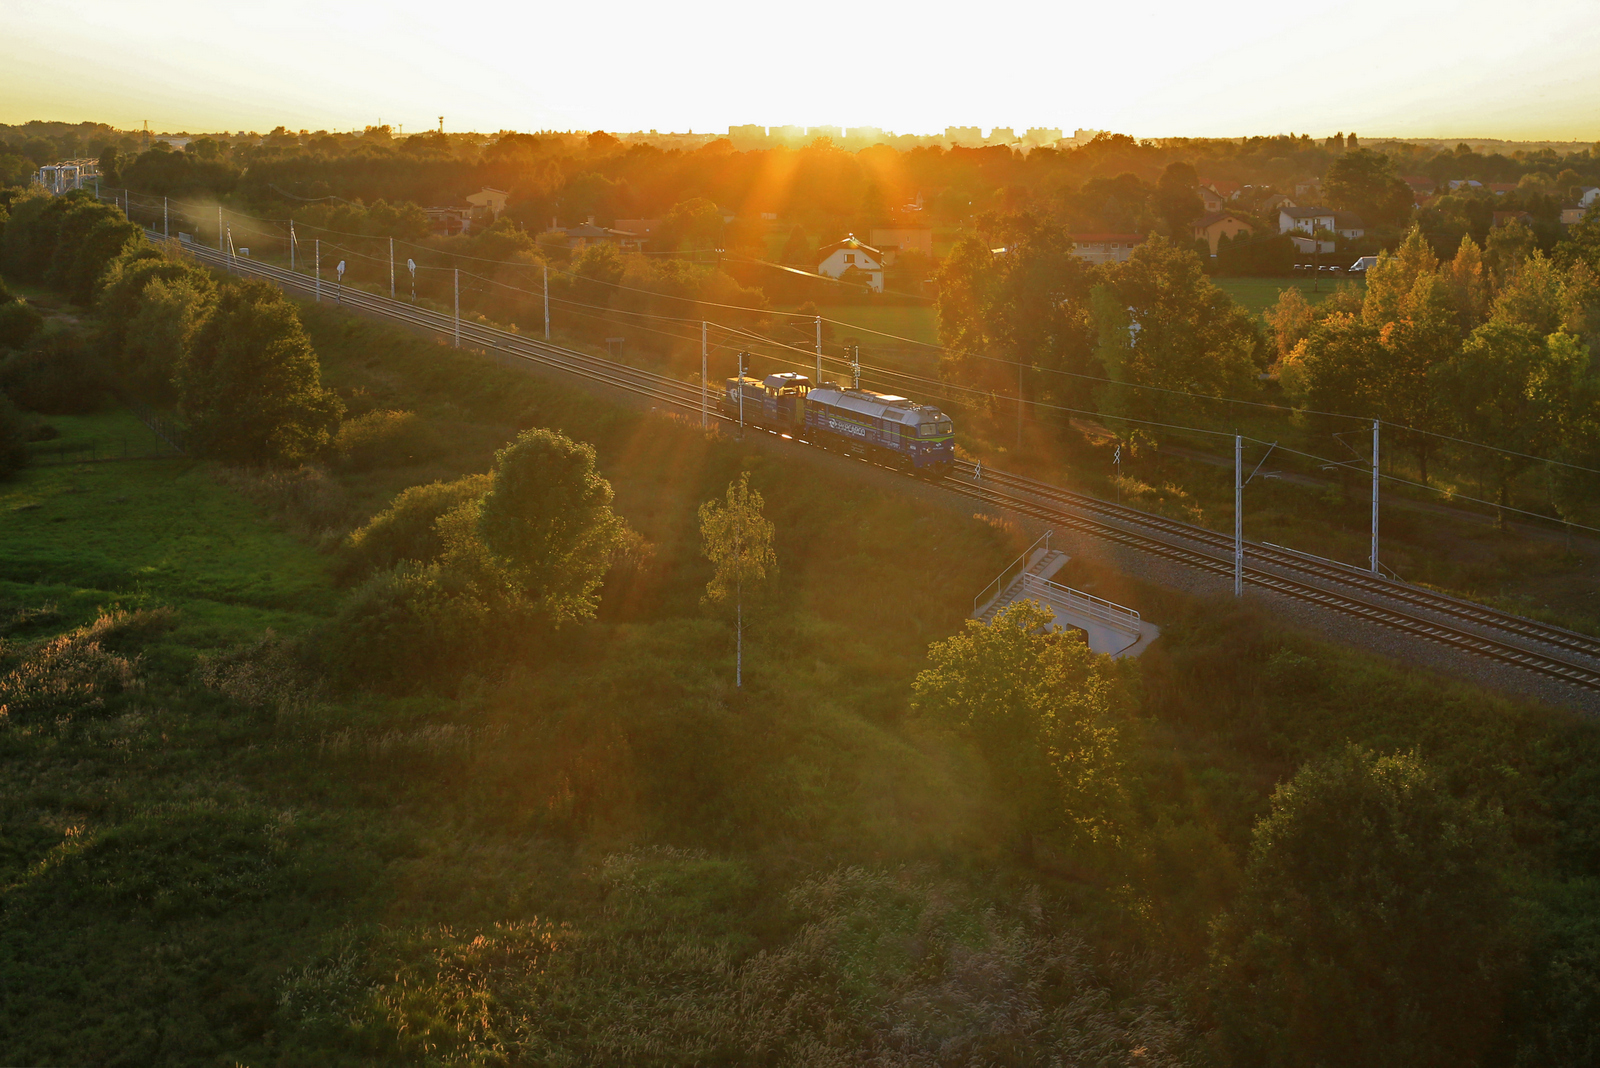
(849, 257)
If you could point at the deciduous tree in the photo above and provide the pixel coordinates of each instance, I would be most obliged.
(737, 539)
(1374, 923)
(548, 517)
(1044, 711)
(251, 387)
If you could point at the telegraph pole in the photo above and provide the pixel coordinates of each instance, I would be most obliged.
(291, 246)
(317, 248)
(166, 229)
(819, 350)
(705, 419)
(1238, 515)
(547, 302)
(391, 268)
(1375, 496)
(219, 229)
(458, 298)
(741, 393)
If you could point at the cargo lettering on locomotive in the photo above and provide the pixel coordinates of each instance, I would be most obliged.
(883, 427)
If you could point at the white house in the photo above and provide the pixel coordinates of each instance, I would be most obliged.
(1309, 220)
(1589, 196)
(833, 260)
(1105, 248)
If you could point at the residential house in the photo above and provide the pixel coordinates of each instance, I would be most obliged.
(833, 260)
(1226, 190)
(1308, 221)
(1572, 213)
(449, 221)
(1214, 227)
(1422, 188)
(641, 229)
(1589, 196)
(1105, 248)
(1500, 189)
(488, 201)
(1276, 201)
(578, 238)
(1210, 199)
(1308, 188)
(1464, 183)
(892, 242)
(1348, 224)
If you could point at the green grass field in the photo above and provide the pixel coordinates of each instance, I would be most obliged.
(919, 323)
(138, 532)
(1258, 294)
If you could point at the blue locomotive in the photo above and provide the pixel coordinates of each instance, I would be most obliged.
(884, 428)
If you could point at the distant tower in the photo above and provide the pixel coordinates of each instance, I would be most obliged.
(441, 124)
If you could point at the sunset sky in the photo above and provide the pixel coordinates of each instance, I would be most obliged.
(1379, 67)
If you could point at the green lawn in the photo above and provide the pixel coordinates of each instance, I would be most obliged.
(161, 531)
(1259, 294)
(919, 323)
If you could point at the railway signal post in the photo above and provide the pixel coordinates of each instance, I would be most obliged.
(704, 416)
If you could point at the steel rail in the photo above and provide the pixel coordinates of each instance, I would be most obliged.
(1326, 570)
(1149, 533)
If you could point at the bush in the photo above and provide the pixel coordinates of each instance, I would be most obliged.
(56, 375)
(1374, 926)
(385, 439)
(68, 674)
(14, 434)
(405, 629)
(19, 321)
(407, 530)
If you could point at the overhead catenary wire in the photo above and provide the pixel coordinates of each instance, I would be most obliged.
(767, 312)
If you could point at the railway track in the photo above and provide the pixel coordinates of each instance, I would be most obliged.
(1550, 651)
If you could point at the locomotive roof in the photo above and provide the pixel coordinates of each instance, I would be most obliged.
(877, 405)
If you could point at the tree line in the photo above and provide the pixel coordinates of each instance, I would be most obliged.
(229, 356)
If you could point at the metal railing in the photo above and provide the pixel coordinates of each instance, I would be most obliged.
(1000, 584)
(1081, 604)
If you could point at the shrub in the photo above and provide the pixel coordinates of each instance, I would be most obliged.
(405, 629)
(14, 434)
(407, 530)
(19, 321)
(385, 439)
(71, 673)
(55, 375)
(1375, 924)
